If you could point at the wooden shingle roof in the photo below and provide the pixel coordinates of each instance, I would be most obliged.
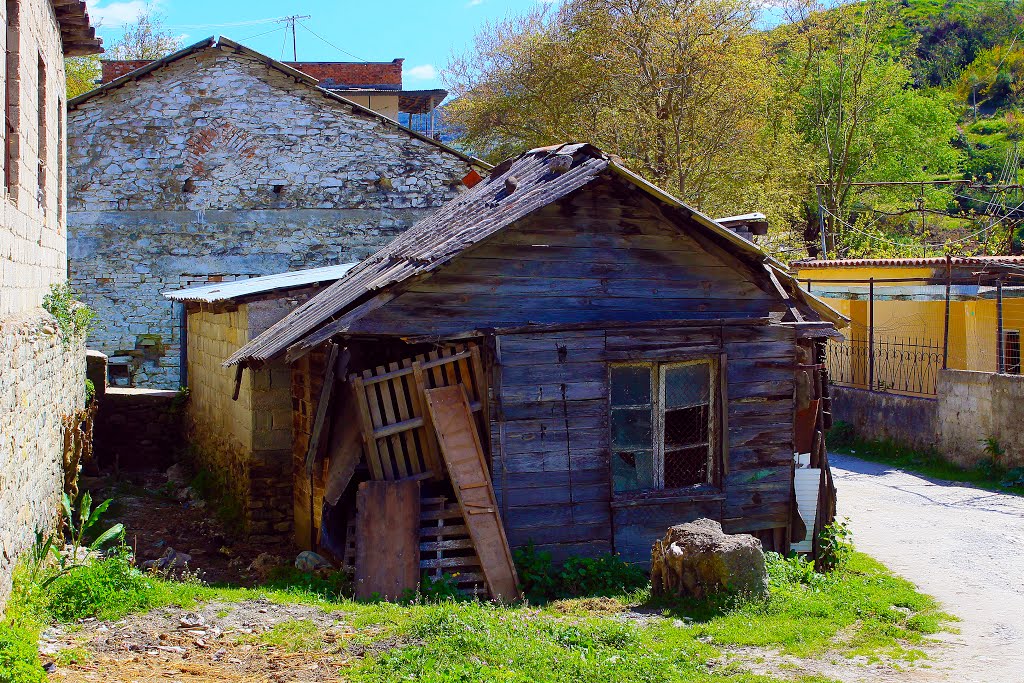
(513, 190)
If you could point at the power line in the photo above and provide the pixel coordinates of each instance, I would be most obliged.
(293, 19)
(330, 43)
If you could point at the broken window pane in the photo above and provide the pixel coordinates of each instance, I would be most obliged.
(687, 467)
(631, 428)
(632, 470)
(631, 385)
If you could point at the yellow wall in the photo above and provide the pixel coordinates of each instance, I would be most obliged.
(382, 104)
(972, 324)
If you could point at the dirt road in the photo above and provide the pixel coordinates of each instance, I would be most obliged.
(965, 546)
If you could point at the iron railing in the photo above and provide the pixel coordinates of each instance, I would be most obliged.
(895, 366)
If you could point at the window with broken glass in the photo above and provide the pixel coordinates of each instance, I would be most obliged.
(663, 425)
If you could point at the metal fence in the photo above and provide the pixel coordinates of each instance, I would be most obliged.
(896, 366)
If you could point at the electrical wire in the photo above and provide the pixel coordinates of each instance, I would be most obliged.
(265, 33)
(342, 50)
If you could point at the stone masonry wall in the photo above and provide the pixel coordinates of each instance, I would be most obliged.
(42, 381)
(974, 406)
(246, 443)
(877, 416)
(217, 167)
(33, 238)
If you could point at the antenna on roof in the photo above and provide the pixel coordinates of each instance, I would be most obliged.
(291, 21)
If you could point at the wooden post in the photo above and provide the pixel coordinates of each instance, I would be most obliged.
(945, 329)
(821, 225)
(1000, 351)
(871, 334)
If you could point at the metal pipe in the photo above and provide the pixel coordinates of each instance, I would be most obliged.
(945, 327)
(871, 334)
(1000, 351)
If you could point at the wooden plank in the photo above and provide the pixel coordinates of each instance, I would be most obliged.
(463, 454)
(394, 442)
(366, 427)
(345, 447)
(373, 402)
(388, 533)
(321, 409)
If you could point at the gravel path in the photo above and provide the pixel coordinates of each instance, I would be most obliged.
(963, 545)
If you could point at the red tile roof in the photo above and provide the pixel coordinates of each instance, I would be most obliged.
(905, 262)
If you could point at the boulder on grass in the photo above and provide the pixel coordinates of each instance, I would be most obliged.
(698, 559)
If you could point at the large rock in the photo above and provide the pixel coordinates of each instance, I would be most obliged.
(698, 559)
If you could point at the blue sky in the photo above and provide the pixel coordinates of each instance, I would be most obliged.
(423, 31)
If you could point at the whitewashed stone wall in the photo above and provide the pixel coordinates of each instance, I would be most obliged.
(219, 167)
(41, 380)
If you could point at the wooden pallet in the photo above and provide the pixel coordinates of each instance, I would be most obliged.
(398, 439)
(446, 547)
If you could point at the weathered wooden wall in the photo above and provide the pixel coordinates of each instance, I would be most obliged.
(596, 255)
(551, 441)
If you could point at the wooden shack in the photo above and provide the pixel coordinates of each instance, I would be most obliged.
(631, 364)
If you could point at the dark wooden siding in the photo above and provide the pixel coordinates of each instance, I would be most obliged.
(551, 443)
(590, 257)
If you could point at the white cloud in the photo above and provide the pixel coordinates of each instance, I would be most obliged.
(474, 3)
(118, 13)
(423, 72)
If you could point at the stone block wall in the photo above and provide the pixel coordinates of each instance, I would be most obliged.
(245, 444)
(217, 167)
(139, 429)
(42, 381)
(877, 416)
(33, 237)
(973, 406)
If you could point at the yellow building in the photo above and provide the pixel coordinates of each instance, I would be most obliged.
(900, 333)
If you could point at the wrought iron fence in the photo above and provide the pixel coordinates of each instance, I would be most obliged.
(896, 366)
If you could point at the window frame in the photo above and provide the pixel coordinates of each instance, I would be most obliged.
(716, 426)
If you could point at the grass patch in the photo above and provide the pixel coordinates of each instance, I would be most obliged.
(301, 635)
(987, 475)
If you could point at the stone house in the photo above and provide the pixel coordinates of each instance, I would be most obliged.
(42, 375)
(242, 434)
(628, 364)
(217, 163)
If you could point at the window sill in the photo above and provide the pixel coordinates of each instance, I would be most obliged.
(697, 493)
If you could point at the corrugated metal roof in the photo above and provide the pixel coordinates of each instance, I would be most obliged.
(515, 188)
(236, 289)
(905, 262)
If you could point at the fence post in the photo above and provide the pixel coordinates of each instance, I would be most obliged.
(871, 334)
(945, 329)
(1000, 351)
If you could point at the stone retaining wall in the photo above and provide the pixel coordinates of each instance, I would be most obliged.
(42, 382)
(974, 406)
(139, 429)
(877, 416)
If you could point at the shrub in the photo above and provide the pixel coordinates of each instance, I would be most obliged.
(835, 545)
(108, 587)
(19, 657)
(605, 575)
(792, 570)
(73, 317)
(841, 435)
(441, 589)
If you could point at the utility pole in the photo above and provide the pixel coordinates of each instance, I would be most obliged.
(291, 20)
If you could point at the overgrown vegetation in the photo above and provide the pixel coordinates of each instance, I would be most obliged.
(74, 318)
(605, 575)
(736, 111)
(990, 472)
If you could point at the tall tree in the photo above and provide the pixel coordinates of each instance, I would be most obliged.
(675, 87)
(147, 38)
(81, 74)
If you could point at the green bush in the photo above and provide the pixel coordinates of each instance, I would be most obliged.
(73, 317)
(835, 545)
(605, 575)
(19, 657)
(108, 588)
